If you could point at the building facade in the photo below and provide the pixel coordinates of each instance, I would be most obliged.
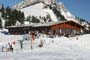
(53, 28)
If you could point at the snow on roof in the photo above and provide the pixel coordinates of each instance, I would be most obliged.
(37, 24)
(42, 24)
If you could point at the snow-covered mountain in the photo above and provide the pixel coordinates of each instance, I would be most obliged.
(65, 12)
(42, 8)
(39, 10)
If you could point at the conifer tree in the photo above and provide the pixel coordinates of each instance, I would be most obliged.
(0, 23)
(8, 12)
(35, 20)
(22, 18)
(3, 11)
(28, 18)
(58, 14)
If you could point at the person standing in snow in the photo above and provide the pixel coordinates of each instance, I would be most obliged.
(32, 38)
(41, 43)
(2, 48)
(76, 38)
(21, 44)
(14, 43)
(8, 47)
(11, 48)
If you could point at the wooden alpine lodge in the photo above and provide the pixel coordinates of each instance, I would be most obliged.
(52, 28)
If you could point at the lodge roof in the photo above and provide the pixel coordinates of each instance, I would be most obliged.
(42, 24)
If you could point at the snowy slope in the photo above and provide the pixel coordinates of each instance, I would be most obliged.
(66, 13)
(3, 21)
(34, 10)
(39, 10)
(51, 13)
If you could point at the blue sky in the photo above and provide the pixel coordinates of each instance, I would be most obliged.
(80, 8)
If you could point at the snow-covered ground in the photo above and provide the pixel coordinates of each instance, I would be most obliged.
(57, 48)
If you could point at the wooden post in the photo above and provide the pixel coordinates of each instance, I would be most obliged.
(64, 29)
